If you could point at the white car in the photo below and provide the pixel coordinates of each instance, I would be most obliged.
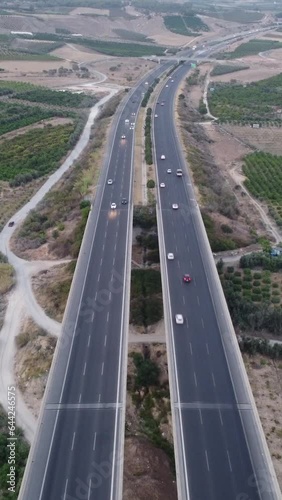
(179, 319)
(123, 136)
(146, 83)
(113, 206)
(174, 206)
(162, 103)
(170, 256)
(110, 181)
(156, 116)
(169, 170)
(126, 121)
(132, 124)
(162, 185)
(172, 81)
(133, 114)
(163, 157)
(166, 85)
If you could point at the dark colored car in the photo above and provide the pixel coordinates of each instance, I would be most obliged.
(187, 278)
(124, 201)
(11, 223)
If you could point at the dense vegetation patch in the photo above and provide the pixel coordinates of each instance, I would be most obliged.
(250, 48)
(34, 154)
(144, 217)
(264, 180)
(223, 69)
(14, 116)
(255, 102)
(151, 399)
(253, 298)
(21, 452)
(146, 301)
(33, 93)
(148, 140)
(185, 25)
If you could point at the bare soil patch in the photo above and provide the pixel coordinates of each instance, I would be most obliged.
(77, 53)
(265, 376)
(139, 158)
(32, 363)
(125, 72)
(265, 138)
(147, 473)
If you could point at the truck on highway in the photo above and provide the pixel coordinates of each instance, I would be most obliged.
(179, 172)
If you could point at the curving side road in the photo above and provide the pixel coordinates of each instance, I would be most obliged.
(78, 448)
(221, 452)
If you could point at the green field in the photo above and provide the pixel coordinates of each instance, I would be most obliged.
(224, 69)
(34, 93)
(250, 48)
(34, 154)
(12, 55)
(264, 180)
(14, 116)
(185, 25)
(256, 102)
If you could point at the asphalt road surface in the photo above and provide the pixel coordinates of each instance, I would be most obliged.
(216, 458)
(77, 450)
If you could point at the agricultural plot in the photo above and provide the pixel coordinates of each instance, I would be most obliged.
(264, 180)
(250, 48)
(256, 102)
(33, 93)
(15, 116)
(34, 154)
(185, 25)
(14, 49)
(256, 286)
(224, 69)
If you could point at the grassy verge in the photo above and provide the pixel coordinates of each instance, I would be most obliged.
(146, 297)
(21, 453)
(255, 102)
(52, 288)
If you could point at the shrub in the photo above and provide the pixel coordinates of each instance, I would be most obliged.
(248, 278)
(275, 292)
(237, 288)
(226, 229)
(246, 285)
(256, 298)
(230, 269)
(247, 271)
(256, 283)
(150, 184)
(275, 285)
(257, 276)
(266, 280)
(237, 281)
(237, 273)
(275, 300)
(256, 291)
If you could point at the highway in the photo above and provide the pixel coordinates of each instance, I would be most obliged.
(216, 457)
(78, 448)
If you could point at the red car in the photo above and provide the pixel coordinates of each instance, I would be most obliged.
(187, 278)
